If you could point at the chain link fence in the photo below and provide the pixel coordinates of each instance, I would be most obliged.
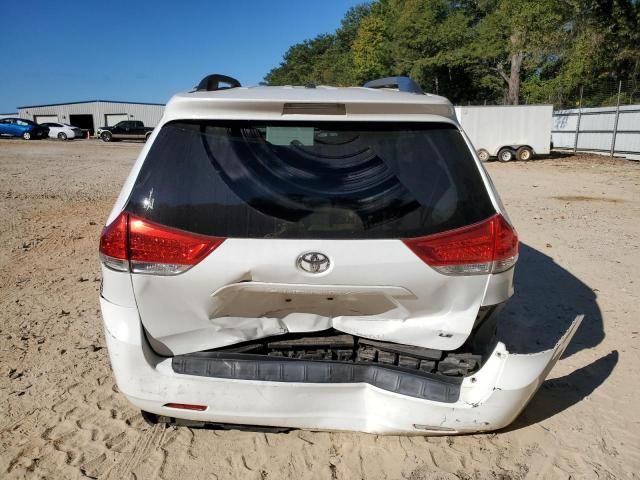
(607, 92)
(600, 93)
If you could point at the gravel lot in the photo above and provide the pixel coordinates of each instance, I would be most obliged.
(579, 222)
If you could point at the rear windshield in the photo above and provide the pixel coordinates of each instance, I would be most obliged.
(321, 180)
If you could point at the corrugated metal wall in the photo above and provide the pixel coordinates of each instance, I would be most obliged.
(8, 115)
(596, 131)
(149, 114)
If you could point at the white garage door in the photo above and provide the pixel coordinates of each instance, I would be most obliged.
(46, 118)
(113, 118)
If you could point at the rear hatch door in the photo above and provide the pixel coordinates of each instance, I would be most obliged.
(312, 217)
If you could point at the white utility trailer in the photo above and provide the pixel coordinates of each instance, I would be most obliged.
(508, 131)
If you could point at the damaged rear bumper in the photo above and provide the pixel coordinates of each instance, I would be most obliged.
(489, 399)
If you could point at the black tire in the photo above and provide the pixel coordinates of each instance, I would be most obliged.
(150, 418)
(26, 135)
(62, 136)
(524, 153)
(106, 136)
(146, 137)
(506, 155)
(483, 155)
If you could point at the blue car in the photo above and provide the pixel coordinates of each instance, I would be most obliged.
(20, 127)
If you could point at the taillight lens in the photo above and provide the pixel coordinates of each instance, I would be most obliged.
(490, 246)
(134, 244)
(114, 248)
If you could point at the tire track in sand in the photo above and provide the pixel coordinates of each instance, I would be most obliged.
(151, 439)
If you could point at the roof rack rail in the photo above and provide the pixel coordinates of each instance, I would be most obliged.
(403, 84)
(212, 83)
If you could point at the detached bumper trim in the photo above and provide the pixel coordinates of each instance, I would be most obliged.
(237, 366)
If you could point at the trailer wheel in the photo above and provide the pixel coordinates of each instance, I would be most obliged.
(506, 155)
(524, 154)
(483, 155)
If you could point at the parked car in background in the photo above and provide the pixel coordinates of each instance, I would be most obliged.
(63, 131)
(125, 130)
(21, 127)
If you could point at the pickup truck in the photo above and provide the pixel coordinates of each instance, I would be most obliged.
(125, 130)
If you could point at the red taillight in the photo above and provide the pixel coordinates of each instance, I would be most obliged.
(114, 248)
(133, 244)
(186, 406)
(158, 249)
(490, 246)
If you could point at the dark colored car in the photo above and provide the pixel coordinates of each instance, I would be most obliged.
(21, 127)
(125, 130)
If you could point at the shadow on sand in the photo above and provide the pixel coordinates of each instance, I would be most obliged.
(558, 394)
(546, 301)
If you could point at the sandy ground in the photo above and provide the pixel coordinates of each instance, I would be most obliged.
(579, 221)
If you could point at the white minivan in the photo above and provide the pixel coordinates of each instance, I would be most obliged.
(313, 257)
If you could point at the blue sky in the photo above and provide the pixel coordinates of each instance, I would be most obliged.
(145, 51)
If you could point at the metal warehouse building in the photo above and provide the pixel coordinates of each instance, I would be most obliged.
(93, 114)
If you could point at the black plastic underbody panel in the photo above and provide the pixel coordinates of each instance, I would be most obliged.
(242, 366)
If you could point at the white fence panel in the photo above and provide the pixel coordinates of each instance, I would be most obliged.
(594, 130)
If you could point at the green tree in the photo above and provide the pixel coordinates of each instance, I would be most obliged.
(369, 49)
(302, 63)
(325, 59)
(514, 35)
(429, 39)
(478, 50)
(601, 46)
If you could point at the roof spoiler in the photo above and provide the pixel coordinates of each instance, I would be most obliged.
(403, 84)
(212, 82)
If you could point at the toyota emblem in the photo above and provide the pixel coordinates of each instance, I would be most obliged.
(313, 262)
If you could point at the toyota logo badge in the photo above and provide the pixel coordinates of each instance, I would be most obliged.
(313, 262)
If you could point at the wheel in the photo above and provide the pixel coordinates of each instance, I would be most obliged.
(106, 136)
(505, 155)
(524, 154)
(62, 136)
(146, 137)
(26, 135)
(150, 418)
(483, 155)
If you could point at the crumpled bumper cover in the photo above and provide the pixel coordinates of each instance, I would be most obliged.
(490, 399)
